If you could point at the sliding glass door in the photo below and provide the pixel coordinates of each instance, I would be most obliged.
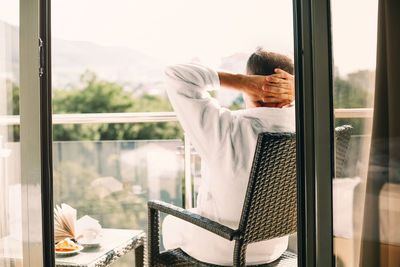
(354, 62)
(24, 170)
(348, 134)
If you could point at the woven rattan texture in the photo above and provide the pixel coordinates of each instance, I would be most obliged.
(342, 139)
(153, 241)
(270, 208)
(179, 258)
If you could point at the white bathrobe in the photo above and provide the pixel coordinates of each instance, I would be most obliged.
(226, 142)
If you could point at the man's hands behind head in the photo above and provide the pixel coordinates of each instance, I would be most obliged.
(275, 90)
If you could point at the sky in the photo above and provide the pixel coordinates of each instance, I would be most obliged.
(179, 30)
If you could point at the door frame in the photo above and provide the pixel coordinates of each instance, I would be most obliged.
(36, 134)
(314, 129)
(46, 127)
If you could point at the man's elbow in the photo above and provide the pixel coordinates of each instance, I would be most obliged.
(173, 72)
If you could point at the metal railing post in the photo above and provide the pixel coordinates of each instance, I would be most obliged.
(188, 174)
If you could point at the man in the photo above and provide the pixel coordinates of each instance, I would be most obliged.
(226, 142)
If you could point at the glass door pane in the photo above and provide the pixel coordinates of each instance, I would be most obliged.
(111, 62)
(10, 174)
(354, 59)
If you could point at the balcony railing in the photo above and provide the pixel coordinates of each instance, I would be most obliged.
(89, 118)
(126, 161)
(136, 117)
(353, 113)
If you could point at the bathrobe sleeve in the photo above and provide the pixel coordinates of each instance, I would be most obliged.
(207, 124)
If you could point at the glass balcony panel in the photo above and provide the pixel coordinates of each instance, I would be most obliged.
(111, 181)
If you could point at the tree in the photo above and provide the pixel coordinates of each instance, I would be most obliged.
(238, 103)
(350, 94)
(363, 78)
(99, 96)
(73, 185)
(13, 100)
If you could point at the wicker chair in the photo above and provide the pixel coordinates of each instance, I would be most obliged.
(342, 139)
(269, 210)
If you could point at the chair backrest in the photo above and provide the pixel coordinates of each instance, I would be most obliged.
(270, 206)
(342, 140)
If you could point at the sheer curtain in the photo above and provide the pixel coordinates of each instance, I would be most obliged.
(380, 239)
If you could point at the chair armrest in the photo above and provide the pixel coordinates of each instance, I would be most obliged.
(212, 226)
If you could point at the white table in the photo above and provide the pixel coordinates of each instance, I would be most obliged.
(113, 245)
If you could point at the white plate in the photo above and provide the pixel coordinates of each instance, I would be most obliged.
(69, 253)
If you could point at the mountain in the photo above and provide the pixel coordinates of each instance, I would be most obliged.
(71, 58)
(124, 65)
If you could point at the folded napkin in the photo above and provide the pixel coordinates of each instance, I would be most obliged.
(86, 228)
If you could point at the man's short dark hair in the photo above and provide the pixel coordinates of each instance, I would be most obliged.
(263, 62)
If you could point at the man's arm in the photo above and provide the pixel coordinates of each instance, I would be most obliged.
(208, 125)
(272, 89)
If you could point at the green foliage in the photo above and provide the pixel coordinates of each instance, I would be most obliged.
(120, 209)
(238, 103)
(71, 184)
(363, 78)
(349, 94)
(98, 96)
(13, 99)
(213, 93)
